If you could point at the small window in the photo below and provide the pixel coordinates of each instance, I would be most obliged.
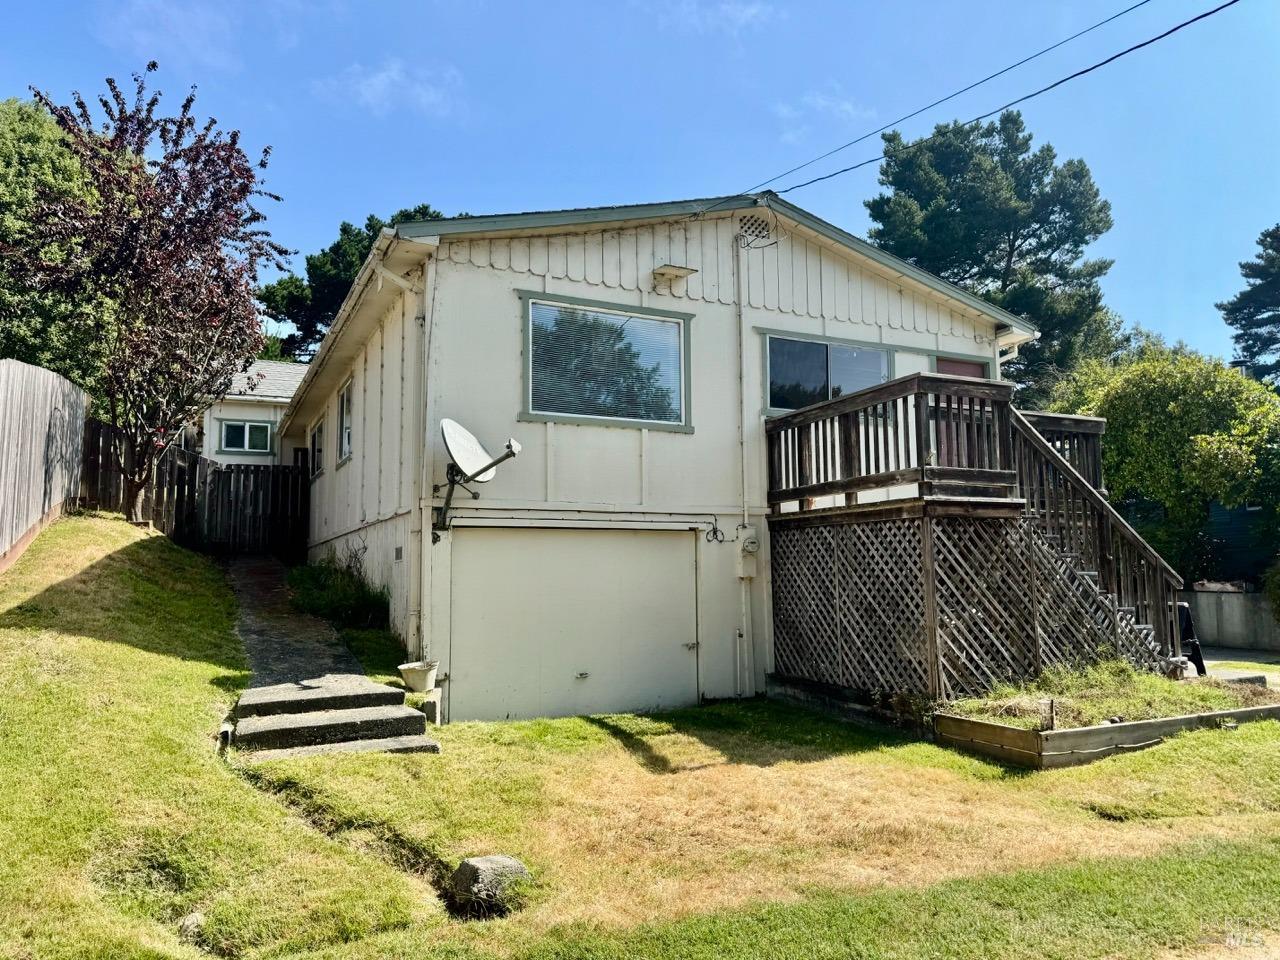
(802, 372)
(317, 448)
(246, 436)
(344, 422)
(585, 361)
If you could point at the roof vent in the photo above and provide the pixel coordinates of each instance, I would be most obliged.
(754, 228)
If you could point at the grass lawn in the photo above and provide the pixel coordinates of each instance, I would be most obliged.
(734, 830)
(1106, 690)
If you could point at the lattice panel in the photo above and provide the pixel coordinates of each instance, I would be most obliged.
(848, 605)
(986, 609)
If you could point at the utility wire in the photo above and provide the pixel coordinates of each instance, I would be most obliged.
(950, 96)
(1013, 103)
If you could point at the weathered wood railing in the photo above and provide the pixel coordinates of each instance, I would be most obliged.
(960, 437)
(1076, 515)
(1078, 439)
(945, 434)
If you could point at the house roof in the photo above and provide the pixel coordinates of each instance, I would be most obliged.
(268, 381)
(400, 250)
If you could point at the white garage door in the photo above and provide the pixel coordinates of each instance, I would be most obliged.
(555, 622)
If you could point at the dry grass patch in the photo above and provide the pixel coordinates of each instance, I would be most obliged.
(629, 820)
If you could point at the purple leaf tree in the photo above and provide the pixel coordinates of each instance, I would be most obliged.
(167, 244)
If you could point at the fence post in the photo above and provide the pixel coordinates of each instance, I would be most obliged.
(929, 570)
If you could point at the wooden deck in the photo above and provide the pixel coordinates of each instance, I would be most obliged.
(927, 539)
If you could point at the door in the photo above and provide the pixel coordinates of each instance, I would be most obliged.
(557, 622)
(962, 368)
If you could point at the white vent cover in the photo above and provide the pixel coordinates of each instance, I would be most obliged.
(754, 228)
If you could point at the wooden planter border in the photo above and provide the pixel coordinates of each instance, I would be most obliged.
(1048, 749)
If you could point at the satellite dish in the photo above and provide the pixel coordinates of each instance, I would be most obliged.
(469, 462)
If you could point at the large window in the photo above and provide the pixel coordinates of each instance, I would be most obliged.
(246, 436)
(588, 361)
(802, 372)
(344, 422)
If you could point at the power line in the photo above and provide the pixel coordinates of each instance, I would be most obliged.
(1022, 99)
(950, 96)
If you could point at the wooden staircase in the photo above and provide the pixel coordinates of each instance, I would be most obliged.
(926, 537)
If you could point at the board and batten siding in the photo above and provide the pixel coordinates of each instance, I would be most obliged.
(629, 476)
(364, 504)
(41, 447)
(794, 274)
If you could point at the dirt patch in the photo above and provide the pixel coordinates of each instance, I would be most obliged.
(1241, 943)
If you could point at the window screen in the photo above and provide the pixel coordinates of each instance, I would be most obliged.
(802, 372)
(233, 436)
(595, 363)
(259, 437)
(344, 422)
(317, 448)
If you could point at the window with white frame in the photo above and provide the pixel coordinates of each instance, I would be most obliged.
(802, 372)
(344, 422)
(595, 362)
(246, 436)
(316, 447)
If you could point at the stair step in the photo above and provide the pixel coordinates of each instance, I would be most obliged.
(413, 743)
(331, 692)
(327, 726)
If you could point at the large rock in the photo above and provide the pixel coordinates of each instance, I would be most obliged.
(488, 885)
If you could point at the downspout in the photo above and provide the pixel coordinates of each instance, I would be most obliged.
(424, 463)
(744, 674)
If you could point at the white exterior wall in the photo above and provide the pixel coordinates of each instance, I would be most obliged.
(367, 503)
(248, 410)
(623, 476)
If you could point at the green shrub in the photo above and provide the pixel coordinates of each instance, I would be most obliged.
(338, 592)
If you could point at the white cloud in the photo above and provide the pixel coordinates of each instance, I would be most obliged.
(829, 111)
(199, 33)
(393, 85)
(715, 16)
(206, 33)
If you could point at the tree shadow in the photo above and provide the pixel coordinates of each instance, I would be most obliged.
(148, 594)
(755, 732)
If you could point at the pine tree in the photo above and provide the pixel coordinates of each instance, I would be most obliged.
(1254, 312)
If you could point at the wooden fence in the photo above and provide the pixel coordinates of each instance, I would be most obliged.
(41, 420)
(218, 508)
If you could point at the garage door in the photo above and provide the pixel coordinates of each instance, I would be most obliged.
(555, 622)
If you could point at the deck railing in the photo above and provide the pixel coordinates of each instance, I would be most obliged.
(1077, 517)
(1078, 439)
(956, 436)
(942, 433)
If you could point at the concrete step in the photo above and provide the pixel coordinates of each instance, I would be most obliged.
(327, 726)
(407, 744)
(335, 691)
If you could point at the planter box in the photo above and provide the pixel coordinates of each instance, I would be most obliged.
(1046, 749)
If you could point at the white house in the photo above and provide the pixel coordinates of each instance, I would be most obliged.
(244, 426)
(621, 560)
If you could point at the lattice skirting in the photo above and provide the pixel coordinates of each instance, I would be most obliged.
(853, 608)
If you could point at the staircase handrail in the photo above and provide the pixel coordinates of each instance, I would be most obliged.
(1088, 493)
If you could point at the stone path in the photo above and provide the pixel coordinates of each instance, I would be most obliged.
(283, 646)
(308, 693)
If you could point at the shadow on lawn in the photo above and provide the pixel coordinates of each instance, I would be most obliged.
(755, 732)
(148, 594)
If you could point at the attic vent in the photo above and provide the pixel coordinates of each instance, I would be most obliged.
(754, 228)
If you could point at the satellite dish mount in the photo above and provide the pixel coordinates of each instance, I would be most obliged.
(469, 462)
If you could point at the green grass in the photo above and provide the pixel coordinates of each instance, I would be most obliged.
(734, 830)
(118, 661)
(1270, 668)
(339, 594)
(1106, 690)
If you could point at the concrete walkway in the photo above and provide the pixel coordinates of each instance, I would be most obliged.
(283, 646)
(1268, 660)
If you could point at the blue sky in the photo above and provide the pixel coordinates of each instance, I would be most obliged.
(495, 107)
